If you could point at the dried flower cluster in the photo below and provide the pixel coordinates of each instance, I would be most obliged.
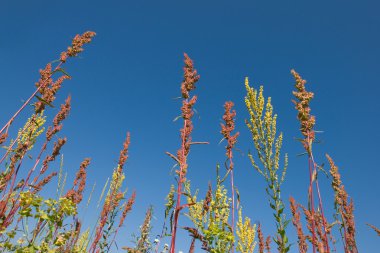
(3, 137)
(375, 229)
(316, 227)
(188, 84)
(307, 121)
(127, 208)
(190, 77)
(303, 107)
(77, 45)
(124, 153)
(302, 245)
(143, 244)
(344, 208)
(38, 187)
(260, 237)
(61, 115)
(111, 206)
(228, 127)
(46, 86)
(56, 151)
(76, 193)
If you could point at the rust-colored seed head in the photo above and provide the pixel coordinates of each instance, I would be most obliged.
(124, 153)
(344, 206)
(57, 147)
(82, 174)
(38, 187)
(57, 84)
(302, 105)
(188, 84)
(207, 200)
(190, 77)
(127, 208)
(77, 44)
(261, 239)
(79, 183)
(3, 137)
(267, 244)
(194, 233)
(298, 225)
(228, 127)
(61, 115)
(43, 85)
(375, 229)
(45, 77)
(64, 112)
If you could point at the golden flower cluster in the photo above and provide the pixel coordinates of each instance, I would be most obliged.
(246, 233)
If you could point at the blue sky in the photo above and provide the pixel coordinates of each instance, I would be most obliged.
(127, 79)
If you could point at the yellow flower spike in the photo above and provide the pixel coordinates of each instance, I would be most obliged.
(246, 233)
(32, 129)
(268, 147)
(213, 224)
(82, 243)
(274, 126)
(260, 102)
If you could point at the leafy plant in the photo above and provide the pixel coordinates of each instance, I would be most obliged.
(263, 127)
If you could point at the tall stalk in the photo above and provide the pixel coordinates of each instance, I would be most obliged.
(307, 122)
(262, 125)
(227, 128)
(188, 84)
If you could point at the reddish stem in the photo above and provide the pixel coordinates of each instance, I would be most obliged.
(311, 200)
(27, 102)
(179, 191)
(20, 110)
(233, 193)
(17, 205)
(14, 142)
(320, 204)
(313, 171)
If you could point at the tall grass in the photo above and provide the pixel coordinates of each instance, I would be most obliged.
(30, 222)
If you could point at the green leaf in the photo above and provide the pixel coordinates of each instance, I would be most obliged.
(44, 101)
(177, 118)
(63, 71)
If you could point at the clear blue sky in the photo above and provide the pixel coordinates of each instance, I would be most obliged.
(127, 78)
